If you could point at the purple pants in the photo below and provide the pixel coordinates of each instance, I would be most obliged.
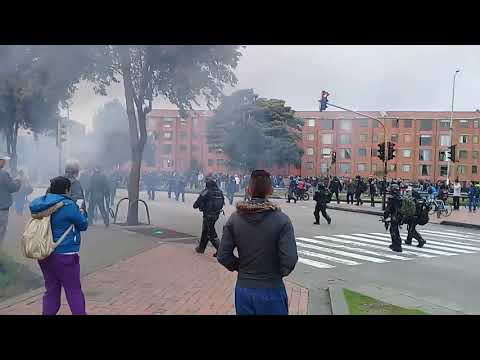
(62, 271)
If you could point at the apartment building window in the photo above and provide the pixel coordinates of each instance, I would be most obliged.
(167, 135)
(311, 122)
(374, 167)
(464, 123)
(426, 125)
(425, 155)
(326, 152)
(375, 124)
(309, 165)
(425, 140)
(445, 124)
(182, 148)
(406, 168)
(461, 169)
(220, 162)
(395, 123)
(362, 167)
(194, 148)
(194, 136)
(463, 139)
(310, 137)
(443, 170)
(463, 154)
(309, 151)
(327, 139)
(210, 149)
(407, 153)
(167, 163)
(326, 124)
(323, 168)
(345, 139)
(445, 140)
(210, 162)
(474, 169)
(183, 122)
(475, 139)
(362, 152)
(363, 138)
(407, 138)
(442, 156)
(166, 149)
(345, 168)
(394, 138)
(476, 123)
(407, 123)
(425, 170)
(346, 124)
(374, 152)
(375, 139)
(475, 154)
(392, 167)
(363, 123)
(346, 154)
(183, 135)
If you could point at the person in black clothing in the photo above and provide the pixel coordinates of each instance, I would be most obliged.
(359, 189)
(373, 191)
(350, 185)
(99, 190)
(210, 202)
(412, 223)
(171, 185)
(180, 188)
(392, 211)
(335, 187)
(291, 195)
(231, 187)
(321, 197)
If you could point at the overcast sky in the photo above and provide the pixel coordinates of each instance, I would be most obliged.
(360, 77)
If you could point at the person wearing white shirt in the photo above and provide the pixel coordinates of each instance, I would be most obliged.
(457, 188)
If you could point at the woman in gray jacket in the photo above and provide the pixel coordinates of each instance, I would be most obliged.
(265, 241)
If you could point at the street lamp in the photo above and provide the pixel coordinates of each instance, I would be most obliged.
(451, 124)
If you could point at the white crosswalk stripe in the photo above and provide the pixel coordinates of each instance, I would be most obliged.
(436, 246)
(337, 250)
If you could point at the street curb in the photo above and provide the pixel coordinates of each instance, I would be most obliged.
(459, 224)
(361, 211)
(337, 301)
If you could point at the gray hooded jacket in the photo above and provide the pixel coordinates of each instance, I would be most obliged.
(265, 241)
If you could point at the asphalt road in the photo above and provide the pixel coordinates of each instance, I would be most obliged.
(440, 279)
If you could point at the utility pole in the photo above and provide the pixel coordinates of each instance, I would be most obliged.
(61, 138)
(451, 125)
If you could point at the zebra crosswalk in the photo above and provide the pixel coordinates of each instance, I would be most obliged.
(330, 251)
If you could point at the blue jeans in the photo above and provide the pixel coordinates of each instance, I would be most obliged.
(268, 301)
(472, 202)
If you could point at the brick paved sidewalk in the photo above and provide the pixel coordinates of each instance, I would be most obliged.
(168, 279)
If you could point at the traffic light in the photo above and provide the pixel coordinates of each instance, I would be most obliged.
(381, 151)
(61, 132)
(324, 100)
(334, 157)
(452, 153)
(391, 150)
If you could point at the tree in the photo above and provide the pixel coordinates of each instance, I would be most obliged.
(254, 131)
(180, 73)
(34, 81)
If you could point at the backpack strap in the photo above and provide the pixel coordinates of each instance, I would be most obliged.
(64, 235)
(48, 212)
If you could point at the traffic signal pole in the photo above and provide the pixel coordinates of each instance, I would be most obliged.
(451, 126)
(385, 140)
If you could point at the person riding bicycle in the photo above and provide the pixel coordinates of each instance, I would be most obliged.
(300, 188)
(443, 194)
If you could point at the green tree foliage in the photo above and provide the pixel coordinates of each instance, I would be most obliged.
(180, 73)
(254, 131)
(34, 81)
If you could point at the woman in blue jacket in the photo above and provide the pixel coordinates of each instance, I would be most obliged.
(62, 267)
(472, 197)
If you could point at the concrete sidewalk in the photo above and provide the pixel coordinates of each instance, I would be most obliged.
(169, 278)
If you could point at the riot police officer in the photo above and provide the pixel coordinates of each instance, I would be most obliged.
(99, 191)
(335, 187)
(392, 211)
(322, 197)
(210, 202)
(412, 223)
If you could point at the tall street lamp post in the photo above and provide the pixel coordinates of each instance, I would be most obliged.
(451, 125)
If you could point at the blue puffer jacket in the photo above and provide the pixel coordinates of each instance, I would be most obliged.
(67, 215)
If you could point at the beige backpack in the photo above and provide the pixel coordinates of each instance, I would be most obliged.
(37, 239)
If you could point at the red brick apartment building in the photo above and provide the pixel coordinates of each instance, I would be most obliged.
(421, 138)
